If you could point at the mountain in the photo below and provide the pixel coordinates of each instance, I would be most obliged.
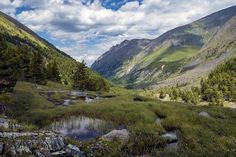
(180, 56)
(18, 35)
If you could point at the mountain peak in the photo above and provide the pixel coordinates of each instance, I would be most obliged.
(140, 62)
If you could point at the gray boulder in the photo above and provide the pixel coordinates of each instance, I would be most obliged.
(204, 114)
(122, 135)
(170, 136)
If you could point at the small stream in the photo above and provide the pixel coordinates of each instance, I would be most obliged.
(81, 127)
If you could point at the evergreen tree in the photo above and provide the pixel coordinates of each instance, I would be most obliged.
(38, 69)
(9, 67)
(80, 76)
(87, 80)
(25, 62)
(53, 71)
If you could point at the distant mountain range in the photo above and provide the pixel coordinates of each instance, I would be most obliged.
(180, 56)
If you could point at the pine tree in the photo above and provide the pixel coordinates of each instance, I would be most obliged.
(38, 69)
(80, 76)
(25, 62)
(9, 67)
(53, 72)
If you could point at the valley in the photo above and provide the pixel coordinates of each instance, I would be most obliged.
(146, 119)
(172, 96)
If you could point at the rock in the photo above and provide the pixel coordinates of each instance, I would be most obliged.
(170, 136)
(39, 144)
(4, 123)
(59, 153)
(172, 139)
(37, 153)
(75, 151)
(122, 135)
(67, 102)
(204, 114)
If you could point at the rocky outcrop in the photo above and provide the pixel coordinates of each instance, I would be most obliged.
(39, 144)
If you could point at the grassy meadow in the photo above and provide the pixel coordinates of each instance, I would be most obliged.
(199, 136)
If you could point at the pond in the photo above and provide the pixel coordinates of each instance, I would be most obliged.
(82, 128)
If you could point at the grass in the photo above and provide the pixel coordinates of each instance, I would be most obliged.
(200, 136)
(12, 29)
(180, 54)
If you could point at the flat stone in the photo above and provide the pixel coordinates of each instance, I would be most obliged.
(122, 135)
(58, 153)
(74, 150)
(204, 114)
(170, 136)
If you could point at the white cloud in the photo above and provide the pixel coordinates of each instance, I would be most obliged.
(93, 29)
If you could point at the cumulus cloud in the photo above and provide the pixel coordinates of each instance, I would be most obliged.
(90, 29)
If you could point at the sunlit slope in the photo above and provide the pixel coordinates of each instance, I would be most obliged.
(172, 57)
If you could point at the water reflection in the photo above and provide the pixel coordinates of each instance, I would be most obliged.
(82, 128)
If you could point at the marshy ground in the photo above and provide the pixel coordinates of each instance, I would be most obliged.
(156, 128)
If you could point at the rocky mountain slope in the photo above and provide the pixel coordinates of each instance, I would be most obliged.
(180, 56)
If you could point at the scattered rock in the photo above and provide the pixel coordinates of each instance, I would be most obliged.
(59, 153)
(67, 102)
(170, 136)
(4, 123)
(41, 144)
(204, 114)
(122, 135)
(74, 151)
(172, 139)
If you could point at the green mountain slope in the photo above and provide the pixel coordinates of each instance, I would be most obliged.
(19, 35)
(181, 55)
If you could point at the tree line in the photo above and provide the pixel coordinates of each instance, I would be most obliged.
(25, 64)
(219, 86)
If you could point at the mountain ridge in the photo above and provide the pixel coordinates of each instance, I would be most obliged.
(165, 56)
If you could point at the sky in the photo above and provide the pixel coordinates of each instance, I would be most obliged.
(85, 29)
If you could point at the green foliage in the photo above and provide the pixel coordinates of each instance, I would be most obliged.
(38, 69)
(53, 71)
(199, 136)
(9, 67)
(162, 95)
(220, 84)
(25, 54)
(84, 79)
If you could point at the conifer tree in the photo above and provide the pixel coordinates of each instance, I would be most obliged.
(53, 72)
(25, 62)
(9, 67)
(38, 69)
(80, 76)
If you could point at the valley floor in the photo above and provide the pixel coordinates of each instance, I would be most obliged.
(156, 128)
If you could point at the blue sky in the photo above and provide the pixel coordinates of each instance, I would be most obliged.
(85, 29)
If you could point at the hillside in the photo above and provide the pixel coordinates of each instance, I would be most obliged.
(181, 55)
(19, 35)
